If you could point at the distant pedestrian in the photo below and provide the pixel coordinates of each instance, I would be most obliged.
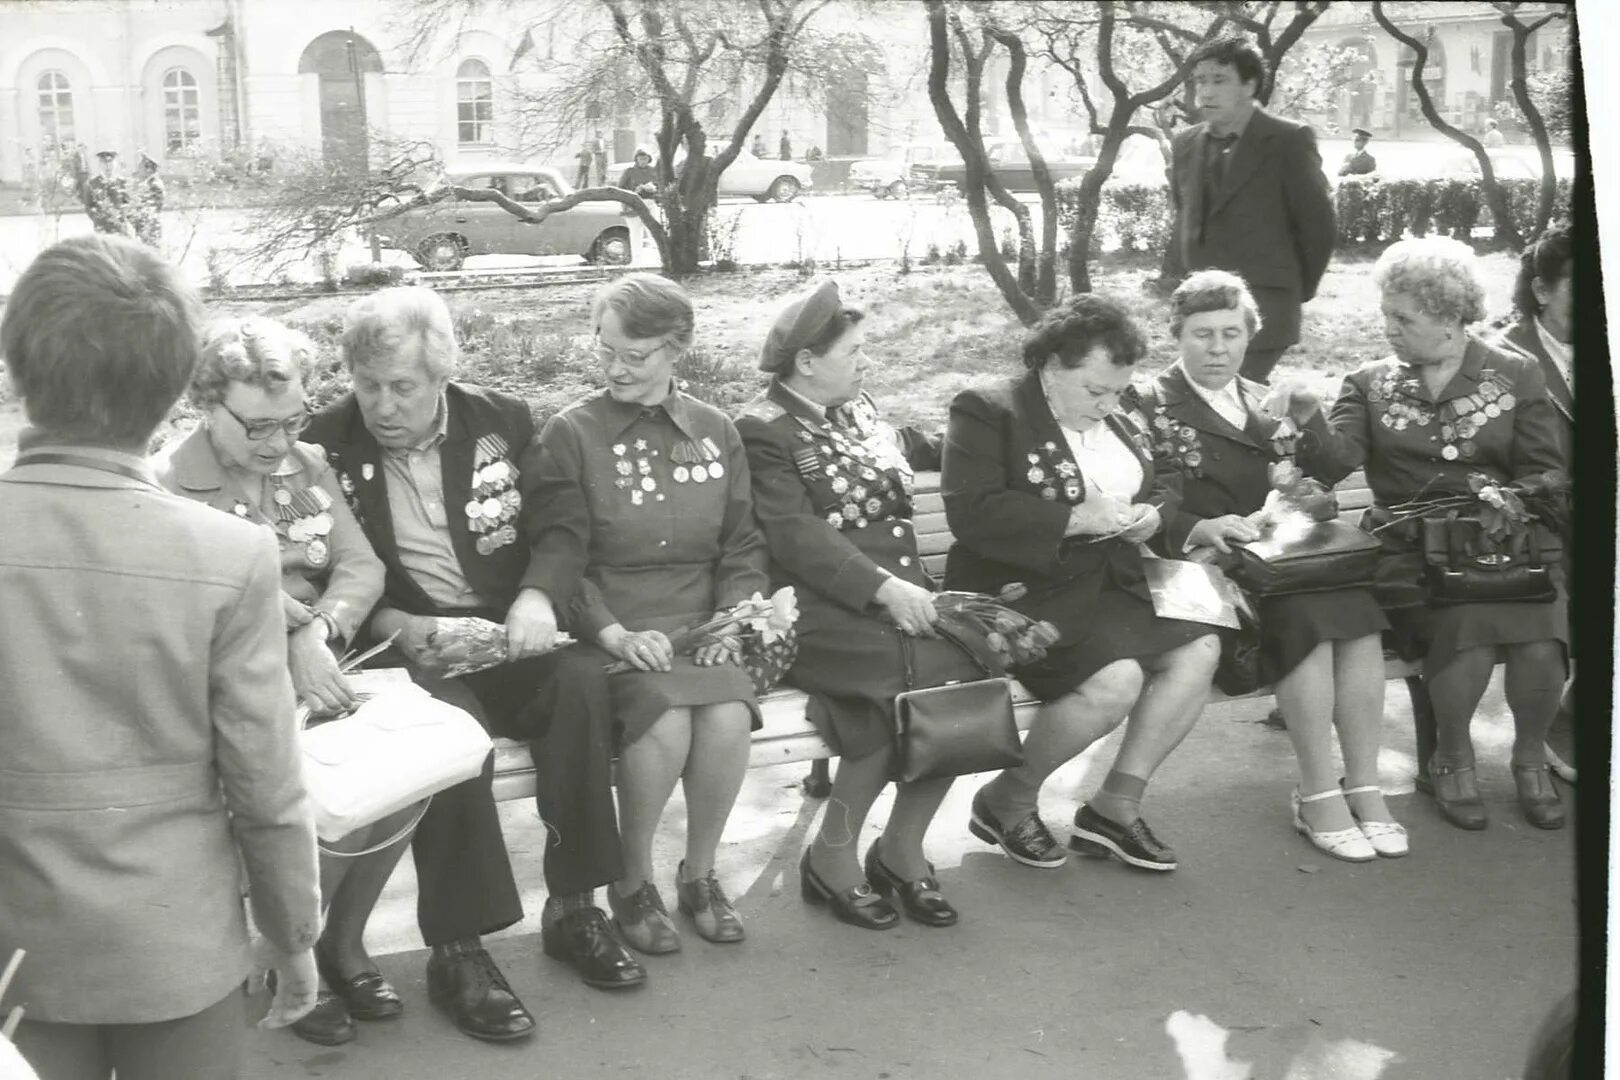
(640, 177)
(1250, 197)
(786, 147)
(1493, 134)
(598, 159)
(1358, 162)
(106, 198)
(78, 164)
(146, 205)
(758, 147)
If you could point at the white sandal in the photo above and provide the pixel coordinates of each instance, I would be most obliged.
(1351, 845)
(1388, 838)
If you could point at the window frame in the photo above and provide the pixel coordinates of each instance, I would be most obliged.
(475, 112)
(51, 112)
(182, 101)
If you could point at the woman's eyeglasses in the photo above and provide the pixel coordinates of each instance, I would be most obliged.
(625, 357)
(260, 430)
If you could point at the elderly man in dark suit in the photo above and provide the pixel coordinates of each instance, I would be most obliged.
(1250, 197)
(441, 477)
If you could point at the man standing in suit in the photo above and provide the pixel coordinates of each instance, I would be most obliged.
(1359, 162)
(1250, 197)
(441, 476)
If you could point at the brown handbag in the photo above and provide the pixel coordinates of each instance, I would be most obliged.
(954, 729)
(1465, 566)
(1328, 555)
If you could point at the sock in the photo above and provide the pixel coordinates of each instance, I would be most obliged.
(566, 904)
(1120, 798)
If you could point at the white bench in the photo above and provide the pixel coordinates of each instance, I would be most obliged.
(787, 736)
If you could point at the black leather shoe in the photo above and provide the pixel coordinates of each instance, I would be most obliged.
(1133, 844)
(328, 1023)
(368, 995)
(463, 981)
(1457, 796)
(858, 905)
(920, 899)
(583, 939)
(1028, 841)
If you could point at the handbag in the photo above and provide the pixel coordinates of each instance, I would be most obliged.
(767, 663)
(399, 747)
(1463, 565)
(954, 729)
(1325, 555)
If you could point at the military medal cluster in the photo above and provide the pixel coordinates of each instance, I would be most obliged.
(690, 463)
(495, 500)
(1460, 418)
(863, 492)
(1053, 470)
(305, 513)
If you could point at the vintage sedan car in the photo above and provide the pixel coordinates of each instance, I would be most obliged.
(442, 236)
(908, 168)
(761, 179)
(1010, 164)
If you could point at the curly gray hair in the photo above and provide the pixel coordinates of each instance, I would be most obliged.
(258, 351)
(1440, 274)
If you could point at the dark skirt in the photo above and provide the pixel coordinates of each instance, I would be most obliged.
(1291, 626)
(640, 697)
(852, 665)
(1116, 625)
(1435, 633)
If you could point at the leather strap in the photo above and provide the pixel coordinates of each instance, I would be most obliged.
(59, 457)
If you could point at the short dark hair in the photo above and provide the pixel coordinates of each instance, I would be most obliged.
(1548, 258)
(1069, 333)
(828, 335)
(1234, 52)
(101, 337)
(1212, 290)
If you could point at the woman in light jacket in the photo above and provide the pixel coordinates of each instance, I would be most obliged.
(147, 744)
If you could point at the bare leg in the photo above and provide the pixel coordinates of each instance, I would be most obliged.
(715, 763)
(914, 808)
(648, 770)
(1306, 697)
(834, 853)
(343, 939)
(1533, 684)
(1358, 712)
(1456, 689)
(1061, 732)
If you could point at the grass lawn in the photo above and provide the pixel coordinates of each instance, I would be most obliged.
(930, 333)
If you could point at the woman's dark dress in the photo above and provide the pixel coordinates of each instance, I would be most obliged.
(1009, 482)
(1225, 470)
(833, 496)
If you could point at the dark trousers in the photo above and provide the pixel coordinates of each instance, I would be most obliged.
(1257, 363)
(203, 1046)
(559, 705)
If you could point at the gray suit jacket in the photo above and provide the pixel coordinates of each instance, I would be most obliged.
(146, 737)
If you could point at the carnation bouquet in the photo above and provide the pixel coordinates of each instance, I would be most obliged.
(464, 645)
(758, 632)
(1014, 637)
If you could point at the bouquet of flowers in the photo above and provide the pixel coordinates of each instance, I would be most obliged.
(464, 645)
(1014, 637)
(1293, 494)
(1505, 512)
(758, 631)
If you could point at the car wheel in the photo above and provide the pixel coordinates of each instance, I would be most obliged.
(612, 248)
(897, 190)
(783, 189)
(442, 251)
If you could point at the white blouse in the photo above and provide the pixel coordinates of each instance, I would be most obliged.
(1108, 464)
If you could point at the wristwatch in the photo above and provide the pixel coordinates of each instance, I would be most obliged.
(333, 631)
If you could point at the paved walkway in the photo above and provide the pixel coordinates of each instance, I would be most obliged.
(1430, 968)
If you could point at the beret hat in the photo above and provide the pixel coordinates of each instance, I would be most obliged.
(1361, 131)
(797, 324)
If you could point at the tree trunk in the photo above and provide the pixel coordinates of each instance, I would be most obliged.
(1533, 120)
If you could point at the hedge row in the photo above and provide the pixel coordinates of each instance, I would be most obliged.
(1369, 209)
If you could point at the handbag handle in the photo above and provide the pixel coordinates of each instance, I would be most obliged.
(405, 830)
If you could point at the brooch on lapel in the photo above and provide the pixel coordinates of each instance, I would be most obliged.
(1054, 472)
(239, 508)
(1462, 419)
(345, 484)
(1179, 442)
(495, 500)
(696, 462)
(367, 471)
(636, 476)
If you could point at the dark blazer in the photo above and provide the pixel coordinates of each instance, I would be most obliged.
(1009, 482)
(1226, 470)
(1271, 220)
(1522, 336)
(541, 558)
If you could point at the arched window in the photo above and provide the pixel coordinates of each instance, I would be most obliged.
(475, 104)
(55, 112)
(182, 109)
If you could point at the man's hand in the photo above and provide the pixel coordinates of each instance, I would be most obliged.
(1144, 525)
(646, 650)
(315, 674)
(531, 625)
(910, 606)
(1218, 532)
(296, 984)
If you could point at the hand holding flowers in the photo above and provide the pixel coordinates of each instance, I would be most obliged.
(717, 640)
(1014, 637)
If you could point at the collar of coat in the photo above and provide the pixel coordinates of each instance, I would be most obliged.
(619, 415)
(1522, 335)
(1409, 377)
(197, 467)
(1033, 403)
(1179, 400)
(1247, 155)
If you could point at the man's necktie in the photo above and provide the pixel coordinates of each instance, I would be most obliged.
(1220, 150)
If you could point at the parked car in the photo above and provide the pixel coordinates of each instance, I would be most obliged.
(762, 179)
(441, 236)
(1010, 164)
(908, 168)
(1506, 164)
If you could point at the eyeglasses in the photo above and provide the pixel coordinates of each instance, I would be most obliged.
(260, 430)
(625, 357)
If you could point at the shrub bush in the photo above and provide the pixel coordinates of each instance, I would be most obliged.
(1371, 209)
(1136, 216)
(373, 274)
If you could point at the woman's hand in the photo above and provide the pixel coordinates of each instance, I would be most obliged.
(1099, 515)
(1144, 525)
(315, 674)
(1292, 398)
(720, 650)
(1218, 532)
(910, 606)
(296, 984)
(646, 650)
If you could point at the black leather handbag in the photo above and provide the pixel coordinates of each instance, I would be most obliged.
(1327, 555)
(1464, 566)
(954, 729)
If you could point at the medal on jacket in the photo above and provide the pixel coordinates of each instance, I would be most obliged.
(1462, 419)
(495, 501)
(635, 473)
(311, 522)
